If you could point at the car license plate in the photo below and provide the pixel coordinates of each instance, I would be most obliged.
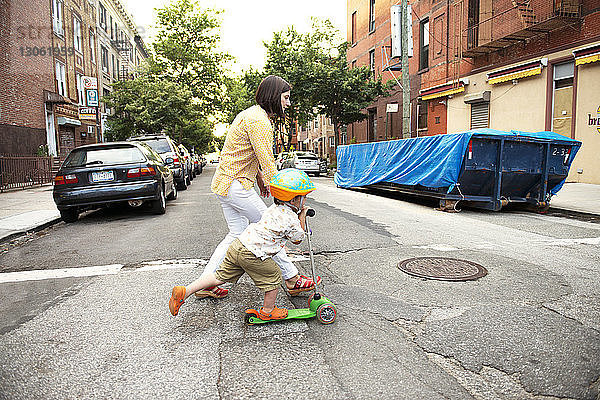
(103, 176)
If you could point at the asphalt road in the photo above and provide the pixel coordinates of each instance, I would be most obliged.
(529, 329)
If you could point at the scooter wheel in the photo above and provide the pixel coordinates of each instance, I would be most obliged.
(326, 313)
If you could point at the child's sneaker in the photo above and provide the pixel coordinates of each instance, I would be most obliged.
(277, 313)
(303, 284)
(215, 291)
(176, 300)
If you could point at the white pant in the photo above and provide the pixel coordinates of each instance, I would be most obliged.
(242, 207)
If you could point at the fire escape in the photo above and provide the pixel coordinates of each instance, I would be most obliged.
(486, 26)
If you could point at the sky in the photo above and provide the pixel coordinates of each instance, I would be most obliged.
(246, 24)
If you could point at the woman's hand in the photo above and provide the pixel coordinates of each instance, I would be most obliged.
(262, 185)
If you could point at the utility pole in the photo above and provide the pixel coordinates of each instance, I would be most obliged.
(405, 74)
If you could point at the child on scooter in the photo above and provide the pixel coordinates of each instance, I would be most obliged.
(252, 251)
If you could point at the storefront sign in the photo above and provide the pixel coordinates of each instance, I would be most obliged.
(87, 113)
(595, 121)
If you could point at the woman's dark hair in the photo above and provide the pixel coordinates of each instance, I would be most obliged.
(268, 94)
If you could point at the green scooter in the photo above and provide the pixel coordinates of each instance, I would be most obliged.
(318, 306)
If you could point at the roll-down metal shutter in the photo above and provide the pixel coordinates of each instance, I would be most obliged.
(480, 115)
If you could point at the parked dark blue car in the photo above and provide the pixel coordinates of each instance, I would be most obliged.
(104, 173)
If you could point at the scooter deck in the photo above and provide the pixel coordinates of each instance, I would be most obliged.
(294, 313)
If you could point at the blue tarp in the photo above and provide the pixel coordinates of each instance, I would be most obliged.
(430, 161)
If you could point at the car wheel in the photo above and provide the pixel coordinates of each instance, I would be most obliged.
(200, 169)
(173, 194)
(69, 215)
(317, 174)
(188, 180)
(182, 185)
(159, 206)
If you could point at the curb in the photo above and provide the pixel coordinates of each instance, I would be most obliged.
(14, 235)
(573, 213)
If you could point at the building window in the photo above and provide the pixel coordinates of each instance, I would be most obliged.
(331, 141)
(371, 15)
(61, 82)
(372, 62)
(80, 94)
(77, 34)
(112, 32)
(92, 47)
(113, 66)
(102, 16)
(104, 55)
(424, 49)
(354, 27)
(57, 17)
(562, 98)
(372, 125)
(118, 70)
(353, 64)
(422, 115)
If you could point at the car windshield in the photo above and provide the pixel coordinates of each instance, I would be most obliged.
(159, 145)
(307, 156)
(102, 156)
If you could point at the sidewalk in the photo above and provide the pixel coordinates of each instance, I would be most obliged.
(30, 209)
(25, 210)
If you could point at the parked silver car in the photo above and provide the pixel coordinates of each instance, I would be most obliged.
(304, 161)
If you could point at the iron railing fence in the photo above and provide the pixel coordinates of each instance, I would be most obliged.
(19, 172)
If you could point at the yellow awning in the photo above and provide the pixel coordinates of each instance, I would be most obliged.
(443, 93)
(587, 59)
(516, 75)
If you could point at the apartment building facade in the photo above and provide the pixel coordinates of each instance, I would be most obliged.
(50, 51)
(121, 49)
(318, 137)
(528, 65)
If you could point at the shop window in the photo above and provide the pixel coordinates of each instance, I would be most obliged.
(424, 48)
(562, 98)
(372, 63)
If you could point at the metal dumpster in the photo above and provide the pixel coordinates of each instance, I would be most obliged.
(485, 168)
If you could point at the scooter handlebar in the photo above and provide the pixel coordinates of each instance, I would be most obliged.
(310, 212)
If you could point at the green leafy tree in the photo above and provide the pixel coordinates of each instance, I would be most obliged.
(150, 106)
(315, 65)
(186, 52)
(240, 93)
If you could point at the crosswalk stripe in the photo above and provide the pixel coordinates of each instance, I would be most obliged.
(42, 274)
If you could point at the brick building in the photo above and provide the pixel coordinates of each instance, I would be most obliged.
(121, 49)
(527, 65)
(47, 54)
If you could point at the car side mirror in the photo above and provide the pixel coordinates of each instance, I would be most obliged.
(169, 161)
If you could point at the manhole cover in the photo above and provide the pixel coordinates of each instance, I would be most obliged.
(443, 269)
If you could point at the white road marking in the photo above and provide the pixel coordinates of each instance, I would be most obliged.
(568, 242)
(38, 275)
(438, 247)
(171, 264)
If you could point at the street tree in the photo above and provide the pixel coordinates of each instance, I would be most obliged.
(150, 106)
(315, 65)
(185, 51)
